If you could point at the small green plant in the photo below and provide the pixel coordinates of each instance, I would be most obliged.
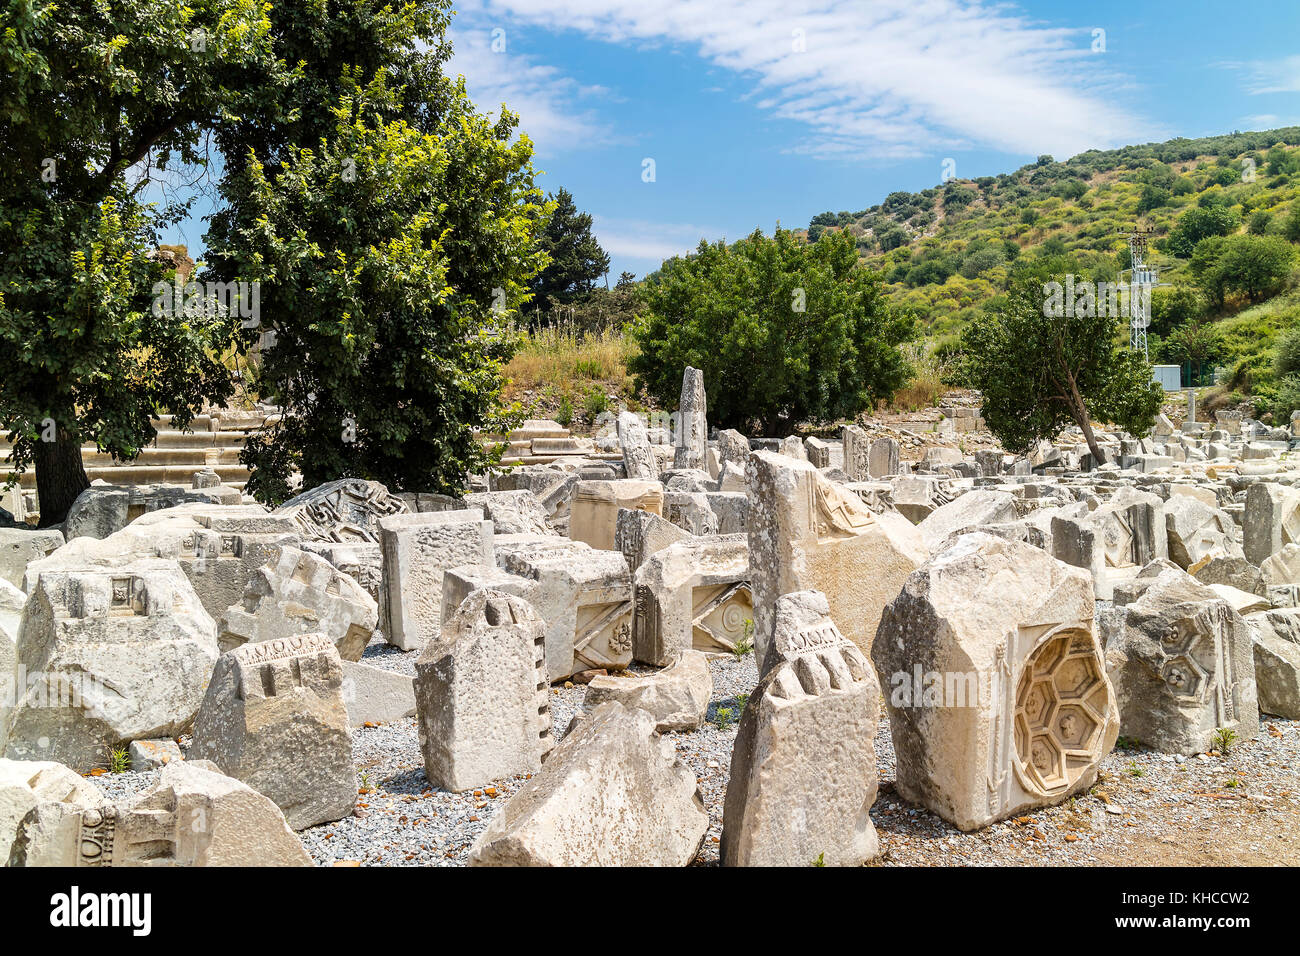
(1127, 743)
(595, 402)
(723, 717)
(1134, 769)
(119, 760)
(565, 413)
(365, 782)
(1232, 783)
(742, 700)
(1224, 738)
(746, 642)
(821, 860)
(587, 368)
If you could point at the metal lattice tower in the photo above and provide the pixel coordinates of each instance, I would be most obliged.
(1142, 278)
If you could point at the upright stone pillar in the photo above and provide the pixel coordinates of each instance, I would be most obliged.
(693, 430)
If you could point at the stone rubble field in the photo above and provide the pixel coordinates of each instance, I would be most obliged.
(674, 649)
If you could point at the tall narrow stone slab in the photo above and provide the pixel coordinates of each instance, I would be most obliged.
(417, 550)
(634, 440)
(693, 430)
(803, 768)
(482, 694)
(807, 533)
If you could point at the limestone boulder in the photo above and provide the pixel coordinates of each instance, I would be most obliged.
(482, 695)
(678, 696)
(995, 683)
(274, 717)
(344, 510)
(803, 768)
(301, 593)
(612, 793)
(1276, 647)
(193, 816)
(107, 656)
(375, 695)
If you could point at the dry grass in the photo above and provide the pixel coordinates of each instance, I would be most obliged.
(568, 361)
(926, 387)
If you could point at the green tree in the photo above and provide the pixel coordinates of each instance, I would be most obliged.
(1038, 373)
(1292, 228)
(784, 331)
(1254, 267)
(389, 261)
(96, 100)
(576, 258)
(1197, 223)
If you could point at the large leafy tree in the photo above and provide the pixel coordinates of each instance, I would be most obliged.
(576, 258)
(390, 251)
(96, 98)
(1038, 373)
(784, 330)
(1253, 267)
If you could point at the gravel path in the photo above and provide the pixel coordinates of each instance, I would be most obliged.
(1240, 808)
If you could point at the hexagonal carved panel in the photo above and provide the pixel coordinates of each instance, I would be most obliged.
(1060, 713)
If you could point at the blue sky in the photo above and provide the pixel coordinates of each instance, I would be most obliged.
(756, 112)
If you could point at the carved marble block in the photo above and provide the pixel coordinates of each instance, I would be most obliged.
(994, 680)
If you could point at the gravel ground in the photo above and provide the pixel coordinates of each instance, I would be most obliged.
(1212, 809)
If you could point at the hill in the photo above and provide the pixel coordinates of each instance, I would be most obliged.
(946, 251)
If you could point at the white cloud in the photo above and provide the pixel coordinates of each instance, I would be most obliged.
(894, 78)
(642, 239)
(1269, 76)
(548, 102)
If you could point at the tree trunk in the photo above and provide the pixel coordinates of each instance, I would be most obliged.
(60, 477)
(1081, 417)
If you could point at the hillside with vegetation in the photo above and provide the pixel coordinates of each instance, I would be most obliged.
(1222, 215)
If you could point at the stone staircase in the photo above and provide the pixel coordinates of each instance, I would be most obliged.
(214, 441)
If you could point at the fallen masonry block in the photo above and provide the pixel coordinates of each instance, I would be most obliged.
(1270, 521)
(613, 793)
(640, 534)
(693, 595)
(274, 717)
(1196, 531)
(21, 546)
(1181, 661)
(348, 509)
(459, 583)
(807, 533)
(638, 457)
(105, 657)
(301, 593)
(594, 507)
(193, 816)
(994, 680)
(25, 784)
(417, 550)
(375, 695)
(152, 754)
(1276, 649)
(968, 511)
(585, 598)
(693, 426)
(482, 695)
(511, 512)
(677, 696)
(803, 768)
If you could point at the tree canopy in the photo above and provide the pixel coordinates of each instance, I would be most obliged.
(784, 331)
